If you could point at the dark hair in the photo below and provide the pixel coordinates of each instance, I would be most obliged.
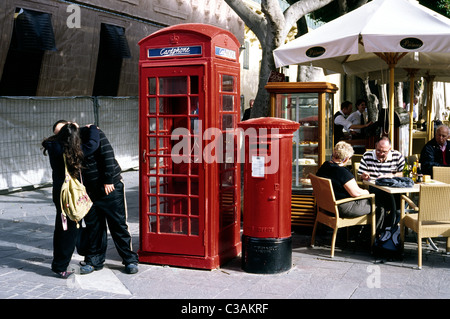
(53, 137)
(69, 137)
(345, 104)
(58, 122)
(360, 101)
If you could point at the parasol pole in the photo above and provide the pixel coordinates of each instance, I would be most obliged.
(430, 126)
(391, 59)
(411, 74)
(391, 103)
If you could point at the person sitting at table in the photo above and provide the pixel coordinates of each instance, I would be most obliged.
(344, 183)
(383, 162)
(436, 152)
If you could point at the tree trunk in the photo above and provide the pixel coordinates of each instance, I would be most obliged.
(271, 29)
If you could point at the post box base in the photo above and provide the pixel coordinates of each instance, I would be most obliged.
(266, 255)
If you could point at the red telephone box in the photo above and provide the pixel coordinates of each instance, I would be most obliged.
(188, 111)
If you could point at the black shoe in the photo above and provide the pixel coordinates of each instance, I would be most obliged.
(86, 269)
(131, 268)
(83, 263)
(64, 274)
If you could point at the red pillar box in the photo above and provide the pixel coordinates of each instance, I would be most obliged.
(188, 111)
(266, 240)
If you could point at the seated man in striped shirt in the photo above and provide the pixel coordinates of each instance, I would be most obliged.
(383, 162)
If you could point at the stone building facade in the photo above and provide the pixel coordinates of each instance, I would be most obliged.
(71, 68)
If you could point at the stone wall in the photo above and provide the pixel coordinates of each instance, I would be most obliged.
(70, 71)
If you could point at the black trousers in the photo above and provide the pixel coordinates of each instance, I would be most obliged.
(64, 242)
(388, 206)
(109, 211)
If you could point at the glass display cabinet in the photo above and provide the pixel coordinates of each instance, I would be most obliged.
(310, 104)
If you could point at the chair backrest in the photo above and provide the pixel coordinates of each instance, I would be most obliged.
(442, 174)
(412, 158)
(356, 158)
(355, 168)
(324, 194)
(434, 203)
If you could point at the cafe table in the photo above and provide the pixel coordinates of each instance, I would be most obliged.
(403, 190)
(399, 190)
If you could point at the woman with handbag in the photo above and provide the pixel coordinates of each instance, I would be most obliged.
(66, 142)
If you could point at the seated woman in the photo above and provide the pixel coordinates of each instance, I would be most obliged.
(344, 183)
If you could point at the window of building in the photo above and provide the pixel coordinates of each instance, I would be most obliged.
(113, 49)
(32, 36)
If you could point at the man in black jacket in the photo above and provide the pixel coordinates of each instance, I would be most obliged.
(436, 152)
(103, 181)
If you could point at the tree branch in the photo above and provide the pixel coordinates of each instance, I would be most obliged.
(254, 21)
(298, 10)
(275, 20)
(343, 7)
(272, 11)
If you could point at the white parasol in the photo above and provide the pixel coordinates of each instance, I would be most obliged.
(380, 35)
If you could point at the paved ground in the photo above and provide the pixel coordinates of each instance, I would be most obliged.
(26, 228)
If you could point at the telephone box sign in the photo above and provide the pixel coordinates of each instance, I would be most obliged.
(225, 53)
(175, 51)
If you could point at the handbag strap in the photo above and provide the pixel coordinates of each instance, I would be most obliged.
(67, 171)
(65, 165)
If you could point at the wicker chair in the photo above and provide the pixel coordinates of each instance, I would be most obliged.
(355, 168)
(442, 174)
(327, 211)
(432, 218)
